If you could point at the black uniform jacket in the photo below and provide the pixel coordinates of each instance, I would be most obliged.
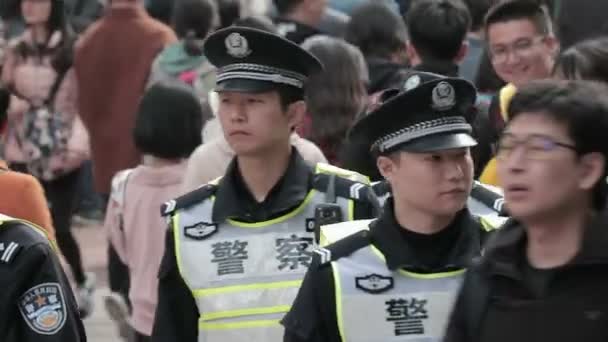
(313, 314)
(177, 314)
(36, 300)
(521, 303)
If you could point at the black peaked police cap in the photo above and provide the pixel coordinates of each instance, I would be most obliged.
(431, 113)
(251, 60)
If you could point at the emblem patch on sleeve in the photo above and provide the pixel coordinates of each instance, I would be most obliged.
(43, 308)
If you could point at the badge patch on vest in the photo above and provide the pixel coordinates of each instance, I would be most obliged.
(374, 283)
(200, 231)
(43, 308)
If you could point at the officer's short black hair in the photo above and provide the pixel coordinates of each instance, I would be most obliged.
(169, 121)
(582, 106)
(289, 95)
(437, 28)
(517, 10)
(286, 6)
(478, 10)
(376, 30)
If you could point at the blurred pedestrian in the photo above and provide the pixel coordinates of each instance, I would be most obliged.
(184, 61)
(45, 135)
(298, 19)
(24, 195)
(334, 98)
(543, 275)
(522, 47)
(135, 228)
(586, 60)
(381, 36)
(112, 63)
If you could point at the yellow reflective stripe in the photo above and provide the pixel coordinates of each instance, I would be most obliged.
(344, 173)
(278, 219)
(487, 226)
(437, 275)
(246, 312)
(216, 181)
(241, 288)
(176, 240)
(351, 210)
(432, 275)
(238, 325)
(339, 309)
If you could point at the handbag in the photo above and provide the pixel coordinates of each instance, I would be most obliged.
(52, 145)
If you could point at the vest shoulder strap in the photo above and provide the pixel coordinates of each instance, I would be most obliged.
(322, 168)
(490, 196)
(188, 200)
(323, 256)
(343, 187)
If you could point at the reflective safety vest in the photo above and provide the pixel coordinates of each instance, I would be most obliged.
(244, 277)
(375, 304)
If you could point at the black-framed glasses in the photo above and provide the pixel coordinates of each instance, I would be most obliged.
(521, 48)
(536, 146)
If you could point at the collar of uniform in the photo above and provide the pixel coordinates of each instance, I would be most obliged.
(289, 192)
(387, 237)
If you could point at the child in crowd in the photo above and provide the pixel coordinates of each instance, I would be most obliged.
(167, 130)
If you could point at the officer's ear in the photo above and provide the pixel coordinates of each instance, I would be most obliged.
(295, 113)
(388, 165)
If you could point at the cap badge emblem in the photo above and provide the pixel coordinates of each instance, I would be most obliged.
(237, 45)
(411, 83)
(444, 96)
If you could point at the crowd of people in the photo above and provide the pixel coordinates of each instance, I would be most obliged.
(306, 170)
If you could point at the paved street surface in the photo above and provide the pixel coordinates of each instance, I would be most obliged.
(93, 244)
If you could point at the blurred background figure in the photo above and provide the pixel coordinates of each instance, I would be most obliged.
(135, 233)
(334, 98)
(38, 73)
(381, 36)
(184, 61)
(112, 62)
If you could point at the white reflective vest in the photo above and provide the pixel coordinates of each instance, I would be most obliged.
(244, 277)
(375, 304)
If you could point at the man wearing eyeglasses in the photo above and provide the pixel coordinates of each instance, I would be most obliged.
(544, 274)
(522, 48)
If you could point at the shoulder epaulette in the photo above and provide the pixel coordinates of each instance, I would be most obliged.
(188, 199)
(345, 188)
(489, 196)
(341, 248)
(322, 168)
(8, 250)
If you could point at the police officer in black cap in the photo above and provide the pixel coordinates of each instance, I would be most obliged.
(238, 248)
(395, 278)
(36, 300)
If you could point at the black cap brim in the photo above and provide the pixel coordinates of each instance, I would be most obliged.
(246, 86)
(439, 142)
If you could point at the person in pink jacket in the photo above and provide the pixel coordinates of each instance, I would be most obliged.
(167, 130)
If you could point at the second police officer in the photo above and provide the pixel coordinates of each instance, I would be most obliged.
(395, 278)
(238, 248)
